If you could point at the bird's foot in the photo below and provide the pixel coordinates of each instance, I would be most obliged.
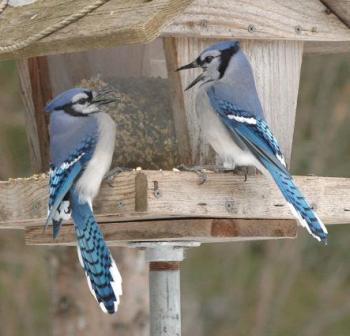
(242, 170)
(199, 170)
(115, 172)
(245, 171)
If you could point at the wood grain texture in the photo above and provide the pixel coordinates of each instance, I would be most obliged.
(116, 22)
(137, 21)
(202, 230)
(36, 92)
(23, 202)
(276, 66)
(186, 50)
(177, 101)
(341, 8)
(252, 19)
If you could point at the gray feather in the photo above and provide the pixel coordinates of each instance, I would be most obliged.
(66, 132)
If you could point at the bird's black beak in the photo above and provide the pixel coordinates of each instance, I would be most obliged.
(197, 80)
(105, 96)
(192, 65)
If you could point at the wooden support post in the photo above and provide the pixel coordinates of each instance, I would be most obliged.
(276, 66)
(183, 51)
(177, 100)
(36, 91)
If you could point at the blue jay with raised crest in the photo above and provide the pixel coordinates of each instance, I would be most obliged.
(232, 121)
(82, 140)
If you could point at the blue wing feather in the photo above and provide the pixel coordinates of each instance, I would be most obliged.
(254, 132)
(62, 181)
(62, 177)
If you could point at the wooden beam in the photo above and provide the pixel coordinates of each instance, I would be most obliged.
(183, 51)
(36, 91)
(202, 230)
(116, 22)
(276, 66)
(135, 21)
(177, 100)
(168, 194)
(252, 19)
(340, 8)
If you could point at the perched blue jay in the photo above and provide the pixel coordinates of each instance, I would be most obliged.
(232, 121)
(82, 142)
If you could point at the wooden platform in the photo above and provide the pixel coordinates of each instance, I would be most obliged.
(205, 230)
(156, 205)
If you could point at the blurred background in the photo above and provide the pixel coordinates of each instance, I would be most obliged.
(286, 287)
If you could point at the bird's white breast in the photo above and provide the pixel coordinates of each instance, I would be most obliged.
(214, 132)
(89, 183)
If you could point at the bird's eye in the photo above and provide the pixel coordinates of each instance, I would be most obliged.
(82, 101)
(208, 59)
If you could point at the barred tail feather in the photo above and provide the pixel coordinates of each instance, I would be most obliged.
(102, 274)
(300, 208)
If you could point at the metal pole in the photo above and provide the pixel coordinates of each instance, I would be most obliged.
(164, 280)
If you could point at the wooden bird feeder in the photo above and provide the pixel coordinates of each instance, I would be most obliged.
(165, 210)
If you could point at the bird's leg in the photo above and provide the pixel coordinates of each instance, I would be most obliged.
(245, 169)
(242, 170)
(199, 170)
(113, 173)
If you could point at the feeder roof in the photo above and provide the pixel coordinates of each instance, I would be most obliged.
(114, 22)
(323, 25)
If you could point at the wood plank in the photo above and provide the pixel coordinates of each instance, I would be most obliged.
(137, 21)
(341, 8)
(202, 230)
(177, 100)
(276, 63)
(185, 50)
(252, 19)
(36, 92)
(23, 202)
(116, 22)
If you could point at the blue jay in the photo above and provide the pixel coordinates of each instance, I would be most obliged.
(82, 142)
(232, 121)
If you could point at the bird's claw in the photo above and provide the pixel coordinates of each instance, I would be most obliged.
(203, 177)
